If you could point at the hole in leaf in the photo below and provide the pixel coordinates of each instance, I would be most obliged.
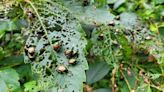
(41, 51)
(57, 27)
(48, 72)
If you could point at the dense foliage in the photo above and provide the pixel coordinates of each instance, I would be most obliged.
(81, 46)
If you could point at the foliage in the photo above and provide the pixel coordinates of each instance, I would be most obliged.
(56, 25)
(47, 45)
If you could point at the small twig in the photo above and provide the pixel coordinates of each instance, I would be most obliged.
(113, 80)
(126, 81)
(156, 87)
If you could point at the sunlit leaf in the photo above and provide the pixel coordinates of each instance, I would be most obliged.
(31, 86)
(118, 3)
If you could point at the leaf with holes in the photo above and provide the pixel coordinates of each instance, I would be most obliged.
(56, 37)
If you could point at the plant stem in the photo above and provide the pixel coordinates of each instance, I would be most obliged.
(126, 80)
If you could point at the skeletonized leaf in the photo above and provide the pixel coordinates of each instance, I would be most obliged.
(54, 24)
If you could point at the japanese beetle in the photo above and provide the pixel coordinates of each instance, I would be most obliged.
(57, 46)
(68, 53)
(30, 14)
(117, 17)
(72, 61)
(31, 50)
(111, 23)
(100, 37)
(75, 54)
(61, 69)
(31, 53)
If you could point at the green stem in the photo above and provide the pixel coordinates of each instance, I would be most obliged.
(126, 81)
(156, 87)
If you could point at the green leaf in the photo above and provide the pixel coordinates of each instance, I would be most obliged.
(2, 33)
(100, 3)
(129, 20)
(111, 1)
(103, 90)
(97, 71)
(135, 31)
(158, 1)
(89, 14)
(144, 88)
(3, 86)
(153, 27)
(118, 3)
(7, 25)
(10, 77)
(11, 25)
(161, 31)
(127, 50)
(15, 12)
(25, 72)
(98, 16)
(31, 86)
(54, 24)
(131, 80)
(12, 61)
(20, 23)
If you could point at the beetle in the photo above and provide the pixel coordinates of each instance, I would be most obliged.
(31, 50)
(72, 61)
(31, 53)
(61, 69)
(111, 23)
(68, 53)
(71, 54)
(57, 46)
(100, 37)
(117, 17)
(30, 14)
